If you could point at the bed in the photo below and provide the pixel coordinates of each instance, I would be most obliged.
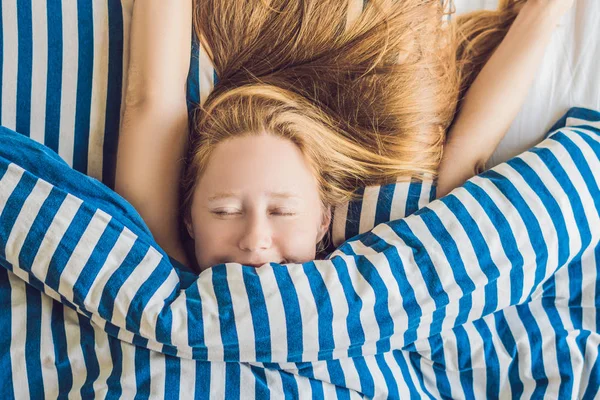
(489, 292)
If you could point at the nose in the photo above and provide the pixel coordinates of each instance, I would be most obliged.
(256, 236)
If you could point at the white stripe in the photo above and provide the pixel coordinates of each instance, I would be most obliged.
(39, 17)
(591, 357)
(206, 71)
(128, 381)
(114, 259)
(218, 378)
(304, 387)
(425, 193)
(522, 347)
(338, 233)
(179, 327)
(398, 210)
(157, 368)
(76, 357)
(521, 236)
(451, 364)
(70, 69)
(273, 383)
(368, 209)
(403, 390)
(276, 313)
(309, 312)
(242, 315)
(187, 378)
(350, 373)
(478, 361)
(210, 316)
(381, 388)
(49, 373)
(10, 51)
(577, 121)
(104, 357)
(18, 314)
(23, 223)
(82, 252)
(99, 90)
(53, 236)
(130, 288)
(8, 183)
(155, 306)
(247, 381)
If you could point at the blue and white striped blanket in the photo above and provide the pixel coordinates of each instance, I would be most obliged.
(488, 292)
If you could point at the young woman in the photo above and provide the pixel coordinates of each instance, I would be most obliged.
(315, 99)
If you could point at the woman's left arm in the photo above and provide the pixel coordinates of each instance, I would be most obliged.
(497, 94)
(154, 129)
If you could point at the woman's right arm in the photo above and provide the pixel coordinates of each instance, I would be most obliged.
(154, 128)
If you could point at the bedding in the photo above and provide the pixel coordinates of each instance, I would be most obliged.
(489, 291)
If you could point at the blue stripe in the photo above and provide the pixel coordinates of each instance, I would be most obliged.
(113, 382)
(438, 359)
(429, 273)
(229, 333)
(324, 310)
(382, 312)
(549, 202)
(173, 377)
(367, 384)
(534, 336)
(85, 72)
(193, 81)
(88, 342)
(594, 382)
(384, 203)
(195, 326)
(336, 375)
(113, 285)
(33, 342)
(415, 360)
(482, 251)
(399, 358)
(260, 315)
(144, 294)
(203, 372)
(113, 91)
(67, 245)
(164, 324)
(61, 356)
(261, 389)
(390, 381)
(142, 373)
(492, 363)
(353, 215)
(55, 71)
(6, 388)
(288, 385)
(412, 200)
(232, 380)
(306, 369)
(293, 317)
(96, 261)
(465, 366)
(531, 222)
(356, 332)
(506, 337)
(12, 208)
(409, 301)
(507, 238)
(25, 61)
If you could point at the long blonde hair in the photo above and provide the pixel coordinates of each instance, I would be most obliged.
(367, 100)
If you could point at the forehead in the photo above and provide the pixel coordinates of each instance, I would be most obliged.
(263, 165)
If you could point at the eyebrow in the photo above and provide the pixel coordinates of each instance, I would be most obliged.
(279, 195)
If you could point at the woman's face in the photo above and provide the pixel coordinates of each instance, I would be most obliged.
(257, 202)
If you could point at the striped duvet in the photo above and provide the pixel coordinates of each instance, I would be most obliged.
(488, 292)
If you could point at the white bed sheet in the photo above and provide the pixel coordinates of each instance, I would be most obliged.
(569, 76)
